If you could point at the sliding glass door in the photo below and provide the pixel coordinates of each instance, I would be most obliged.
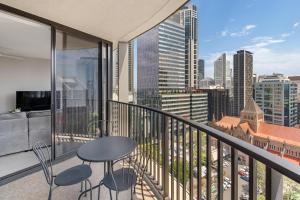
(25, 91)
(76, 91)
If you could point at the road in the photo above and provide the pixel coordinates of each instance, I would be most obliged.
(241, 183)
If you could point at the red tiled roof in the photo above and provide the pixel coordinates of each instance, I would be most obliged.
(287, 157)
(290, 135)
(280, 133)
(228, 121)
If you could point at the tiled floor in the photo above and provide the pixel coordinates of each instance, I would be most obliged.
(16, 162)
(34, 186)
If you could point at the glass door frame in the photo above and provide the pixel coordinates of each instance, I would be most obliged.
(108, 65)
(104, 74)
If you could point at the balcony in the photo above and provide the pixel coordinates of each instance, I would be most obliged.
(217, 161)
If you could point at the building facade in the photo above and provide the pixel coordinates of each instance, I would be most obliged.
(276, 95)
(242, 80)
(161, 61)
(219, 104)
(201, 70)
(187, 105)
(296, 79)
(222, 72)
(189, 17)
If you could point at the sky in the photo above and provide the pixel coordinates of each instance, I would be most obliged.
(270, 29)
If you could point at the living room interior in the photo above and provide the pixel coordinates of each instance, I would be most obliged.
(32, 91)
(25, 97)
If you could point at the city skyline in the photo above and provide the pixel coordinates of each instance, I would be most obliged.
(272, 37)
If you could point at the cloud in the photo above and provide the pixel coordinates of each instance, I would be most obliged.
(250, 26)
(232, 20)
(260, 42)
(208, 40)
(296, 24)
(224, 33)
(245, 31)
(285, 35)
(265, 59)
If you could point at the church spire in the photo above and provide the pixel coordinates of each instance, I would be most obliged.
(252, 114)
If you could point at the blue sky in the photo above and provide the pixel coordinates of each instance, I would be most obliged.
(268, 28)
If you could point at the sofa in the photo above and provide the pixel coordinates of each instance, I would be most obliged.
(20, 131)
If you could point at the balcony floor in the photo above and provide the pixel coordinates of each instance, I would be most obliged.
(34, 186)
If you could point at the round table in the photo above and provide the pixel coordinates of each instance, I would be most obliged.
(106, 149)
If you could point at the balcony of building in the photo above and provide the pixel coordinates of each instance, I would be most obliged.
(188, 160)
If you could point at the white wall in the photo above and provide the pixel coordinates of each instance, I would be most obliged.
(22, 74)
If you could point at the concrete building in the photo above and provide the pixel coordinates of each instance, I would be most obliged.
(296, 79)
(207, 83)
(189, 18)
(187, 105)
(123, 72)
(242, 80)
(219, 104)
(201, 70)
(222, 72)
(161, 61)
(276, 95)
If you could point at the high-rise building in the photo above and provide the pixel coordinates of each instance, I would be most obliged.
(120, 71)
(189, 17)
(207, 83)
(161, 60)
(220, 71)
(296, 79)
(191, 105)
(276, 95)
(167, 67)
(218, 105)
(242, 80)
(201, 66)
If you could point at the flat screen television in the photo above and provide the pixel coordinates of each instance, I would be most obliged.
(33, 100)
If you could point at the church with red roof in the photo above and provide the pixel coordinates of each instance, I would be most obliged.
(250, 126)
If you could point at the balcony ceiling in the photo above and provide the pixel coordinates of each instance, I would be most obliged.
(113, 20)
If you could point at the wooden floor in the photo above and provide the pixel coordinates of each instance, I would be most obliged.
(34, 186)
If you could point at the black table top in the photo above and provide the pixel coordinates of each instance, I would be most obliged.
(106, 149)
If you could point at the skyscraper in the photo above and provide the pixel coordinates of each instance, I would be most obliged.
(222, 72)
(242, 80)
(276, 95)
(164, 54)
(189, 17)
(218, 105)
(201, 66)
(161, 60)
(296, 79)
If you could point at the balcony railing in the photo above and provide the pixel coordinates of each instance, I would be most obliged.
(182, 165)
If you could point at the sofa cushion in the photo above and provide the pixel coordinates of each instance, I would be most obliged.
(13, 135)
(40, 113)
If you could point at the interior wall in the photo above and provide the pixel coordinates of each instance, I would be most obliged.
(17, 74)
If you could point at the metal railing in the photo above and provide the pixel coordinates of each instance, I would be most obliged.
(189, 161)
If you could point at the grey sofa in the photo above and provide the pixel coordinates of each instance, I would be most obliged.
(19, 131)
(39, 127)
(13, 133)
